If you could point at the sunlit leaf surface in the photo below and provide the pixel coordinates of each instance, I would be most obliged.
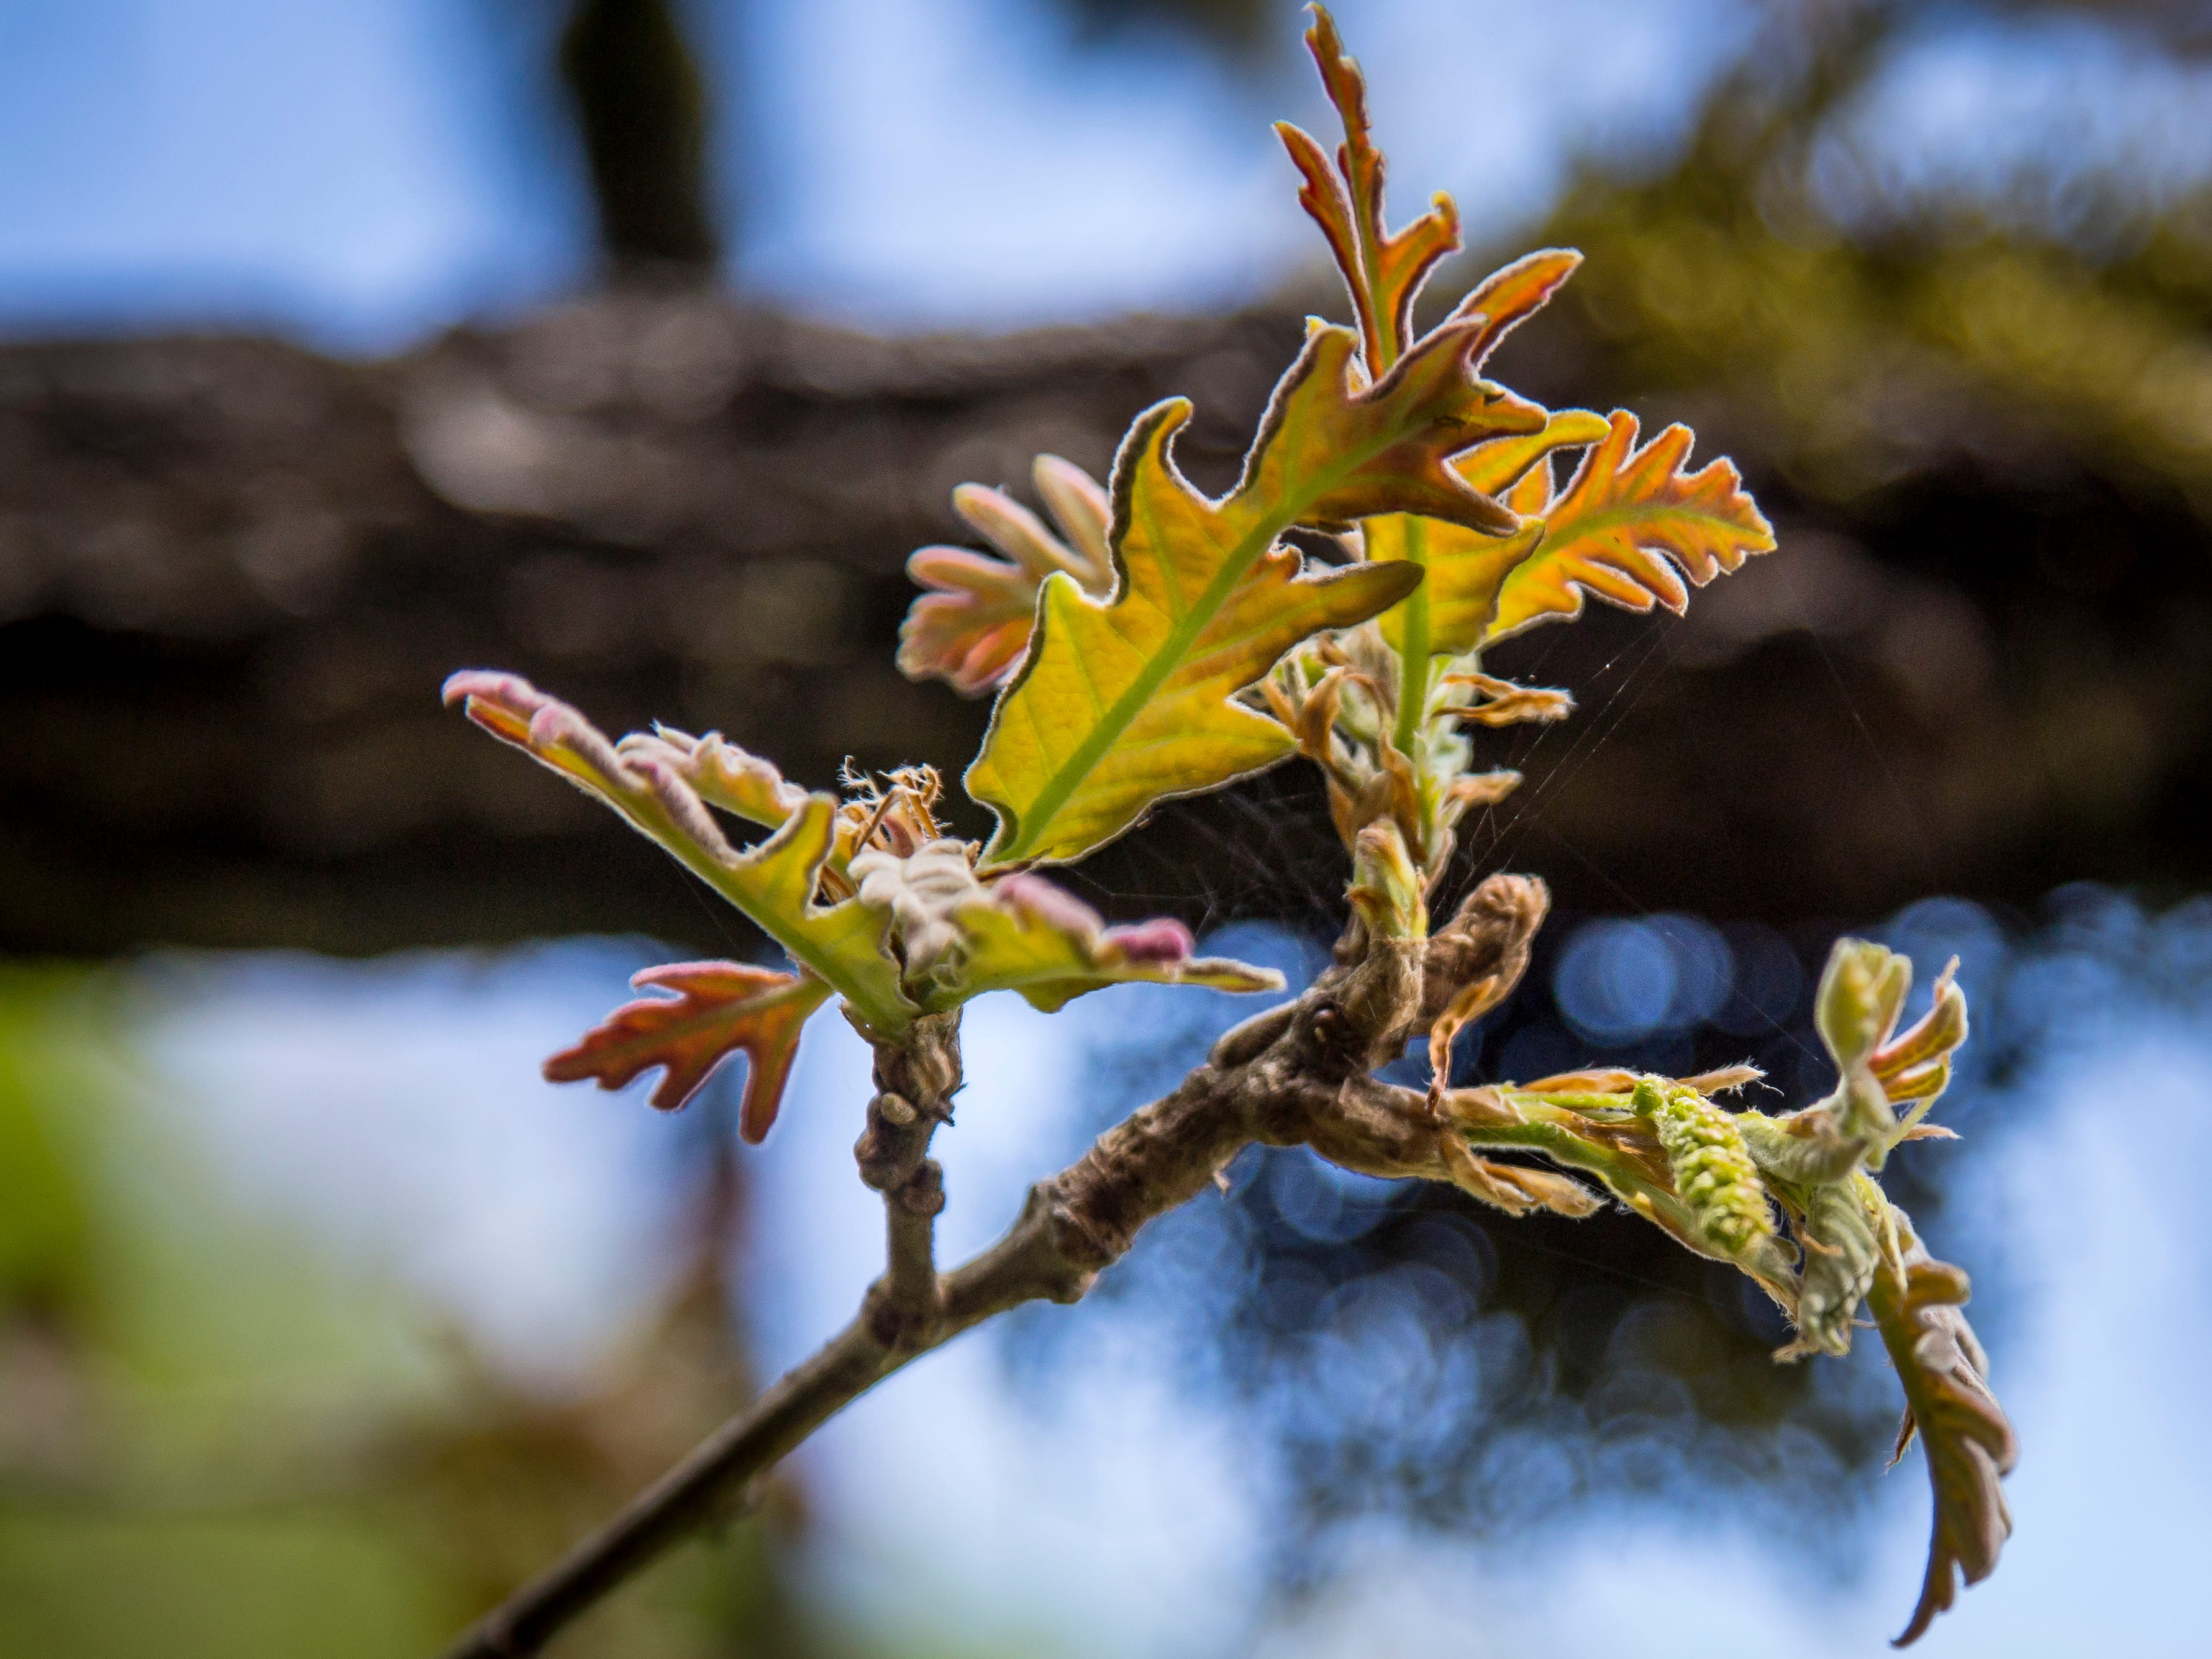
(1631, 528)
(1121, 704)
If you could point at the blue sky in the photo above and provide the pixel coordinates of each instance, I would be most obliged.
(359, 174)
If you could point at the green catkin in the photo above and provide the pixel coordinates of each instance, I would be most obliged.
(1714, 1175)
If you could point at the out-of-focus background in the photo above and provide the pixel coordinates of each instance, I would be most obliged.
(632, 344)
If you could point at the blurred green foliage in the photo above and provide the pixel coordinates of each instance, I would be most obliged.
(1862, 334)
(214, 1441)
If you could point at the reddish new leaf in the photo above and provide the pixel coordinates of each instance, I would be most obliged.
(720, 1008)
(650, 782)
(1970, 1446)
(1383, 271)
(971, 628)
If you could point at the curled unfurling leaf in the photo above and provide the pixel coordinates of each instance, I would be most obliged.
(774, 883)
(720, 1008)
(922, 892)
(1505, 703)
(1803, 1147)
(959, 937)
(1386, 889)
(1842, 1231)
(1914, 1067)
(720, 773)
(1120, 705)
(1862, 994)
(1609, 1080)
(1517, 1189)
(1484, 944)
(1337, 724)
(972, 626)
(1474, 962)
(1969, 1444)
(1473, 789)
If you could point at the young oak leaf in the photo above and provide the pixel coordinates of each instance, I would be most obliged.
(1512, 293)
(1384, 271)
(959, 937)
(721, 774)
(720, 1008)
(1120, 705)
(774, 883)
(1448, 614)
(1630, 528)
(1855, 1009)
(1970, 1445)
(972, 626)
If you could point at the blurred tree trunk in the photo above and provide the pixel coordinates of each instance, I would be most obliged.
(238, 572)
(232, 574)
(642, 109)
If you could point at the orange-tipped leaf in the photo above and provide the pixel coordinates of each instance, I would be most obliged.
(1634, 529)
(1384, 271)
(718, 1008)
(1511, 295)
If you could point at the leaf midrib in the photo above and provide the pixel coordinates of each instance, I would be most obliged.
(730, 881)
(1064, 782)
(1599, 521)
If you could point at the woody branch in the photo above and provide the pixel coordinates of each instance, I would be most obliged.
(1296, 1075)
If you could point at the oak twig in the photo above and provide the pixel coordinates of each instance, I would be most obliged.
(1296, 1075)
(916, 1080)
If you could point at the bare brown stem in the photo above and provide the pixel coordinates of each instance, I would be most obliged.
(1297, 1075)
